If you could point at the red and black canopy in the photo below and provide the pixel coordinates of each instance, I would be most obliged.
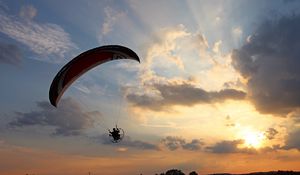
(84, 62)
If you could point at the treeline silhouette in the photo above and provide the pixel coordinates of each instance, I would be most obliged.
(176, 172)
(179, 172)
(279, 172)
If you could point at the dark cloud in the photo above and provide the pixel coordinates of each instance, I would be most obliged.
(270, 61)
(297, 120)
(293, 140)
(226, 146)
(174, 143)
(10, 54)
(271, 133)
(295, 116)
(181, 94)
(233, 84)
(231, 146)
(68, 119)
(195, 144)
(170, 142)
(127, 142)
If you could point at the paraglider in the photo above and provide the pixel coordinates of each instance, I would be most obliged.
(83, 63)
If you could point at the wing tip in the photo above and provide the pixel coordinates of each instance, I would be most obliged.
(53, 103)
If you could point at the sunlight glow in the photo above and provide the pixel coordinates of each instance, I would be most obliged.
(253, 139)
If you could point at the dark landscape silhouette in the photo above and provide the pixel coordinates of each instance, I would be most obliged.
(279, 172)
(179, 172)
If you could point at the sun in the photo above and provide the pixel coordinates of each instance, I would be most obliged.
(253, 139)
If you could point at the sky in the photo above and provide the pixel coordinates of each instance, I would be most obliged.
(217, 89)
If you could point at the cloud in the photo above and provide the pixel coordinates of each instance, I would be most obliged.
(295, 116)
(233, 146)
(164, 48)
(127, 142)
(271, 133)
(225, 146)
(170, 142)
(171, 60)
(180, 94)
(270, 61)
(111, 18)
(49, 41)
(217, 46)
(68, 119)
(174, 143)
(28, 12)
(292, 140)
(165, 51)
(237, 31)
(234, 84)
(10, 54)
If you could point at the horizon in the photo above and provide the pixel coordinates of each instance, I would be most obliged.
(216, 89)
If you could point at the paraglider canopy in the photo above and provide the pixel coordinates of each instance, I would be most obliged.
(84, 62)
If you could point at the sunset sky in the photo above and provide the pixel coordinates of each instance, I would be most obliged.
(217, 89)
